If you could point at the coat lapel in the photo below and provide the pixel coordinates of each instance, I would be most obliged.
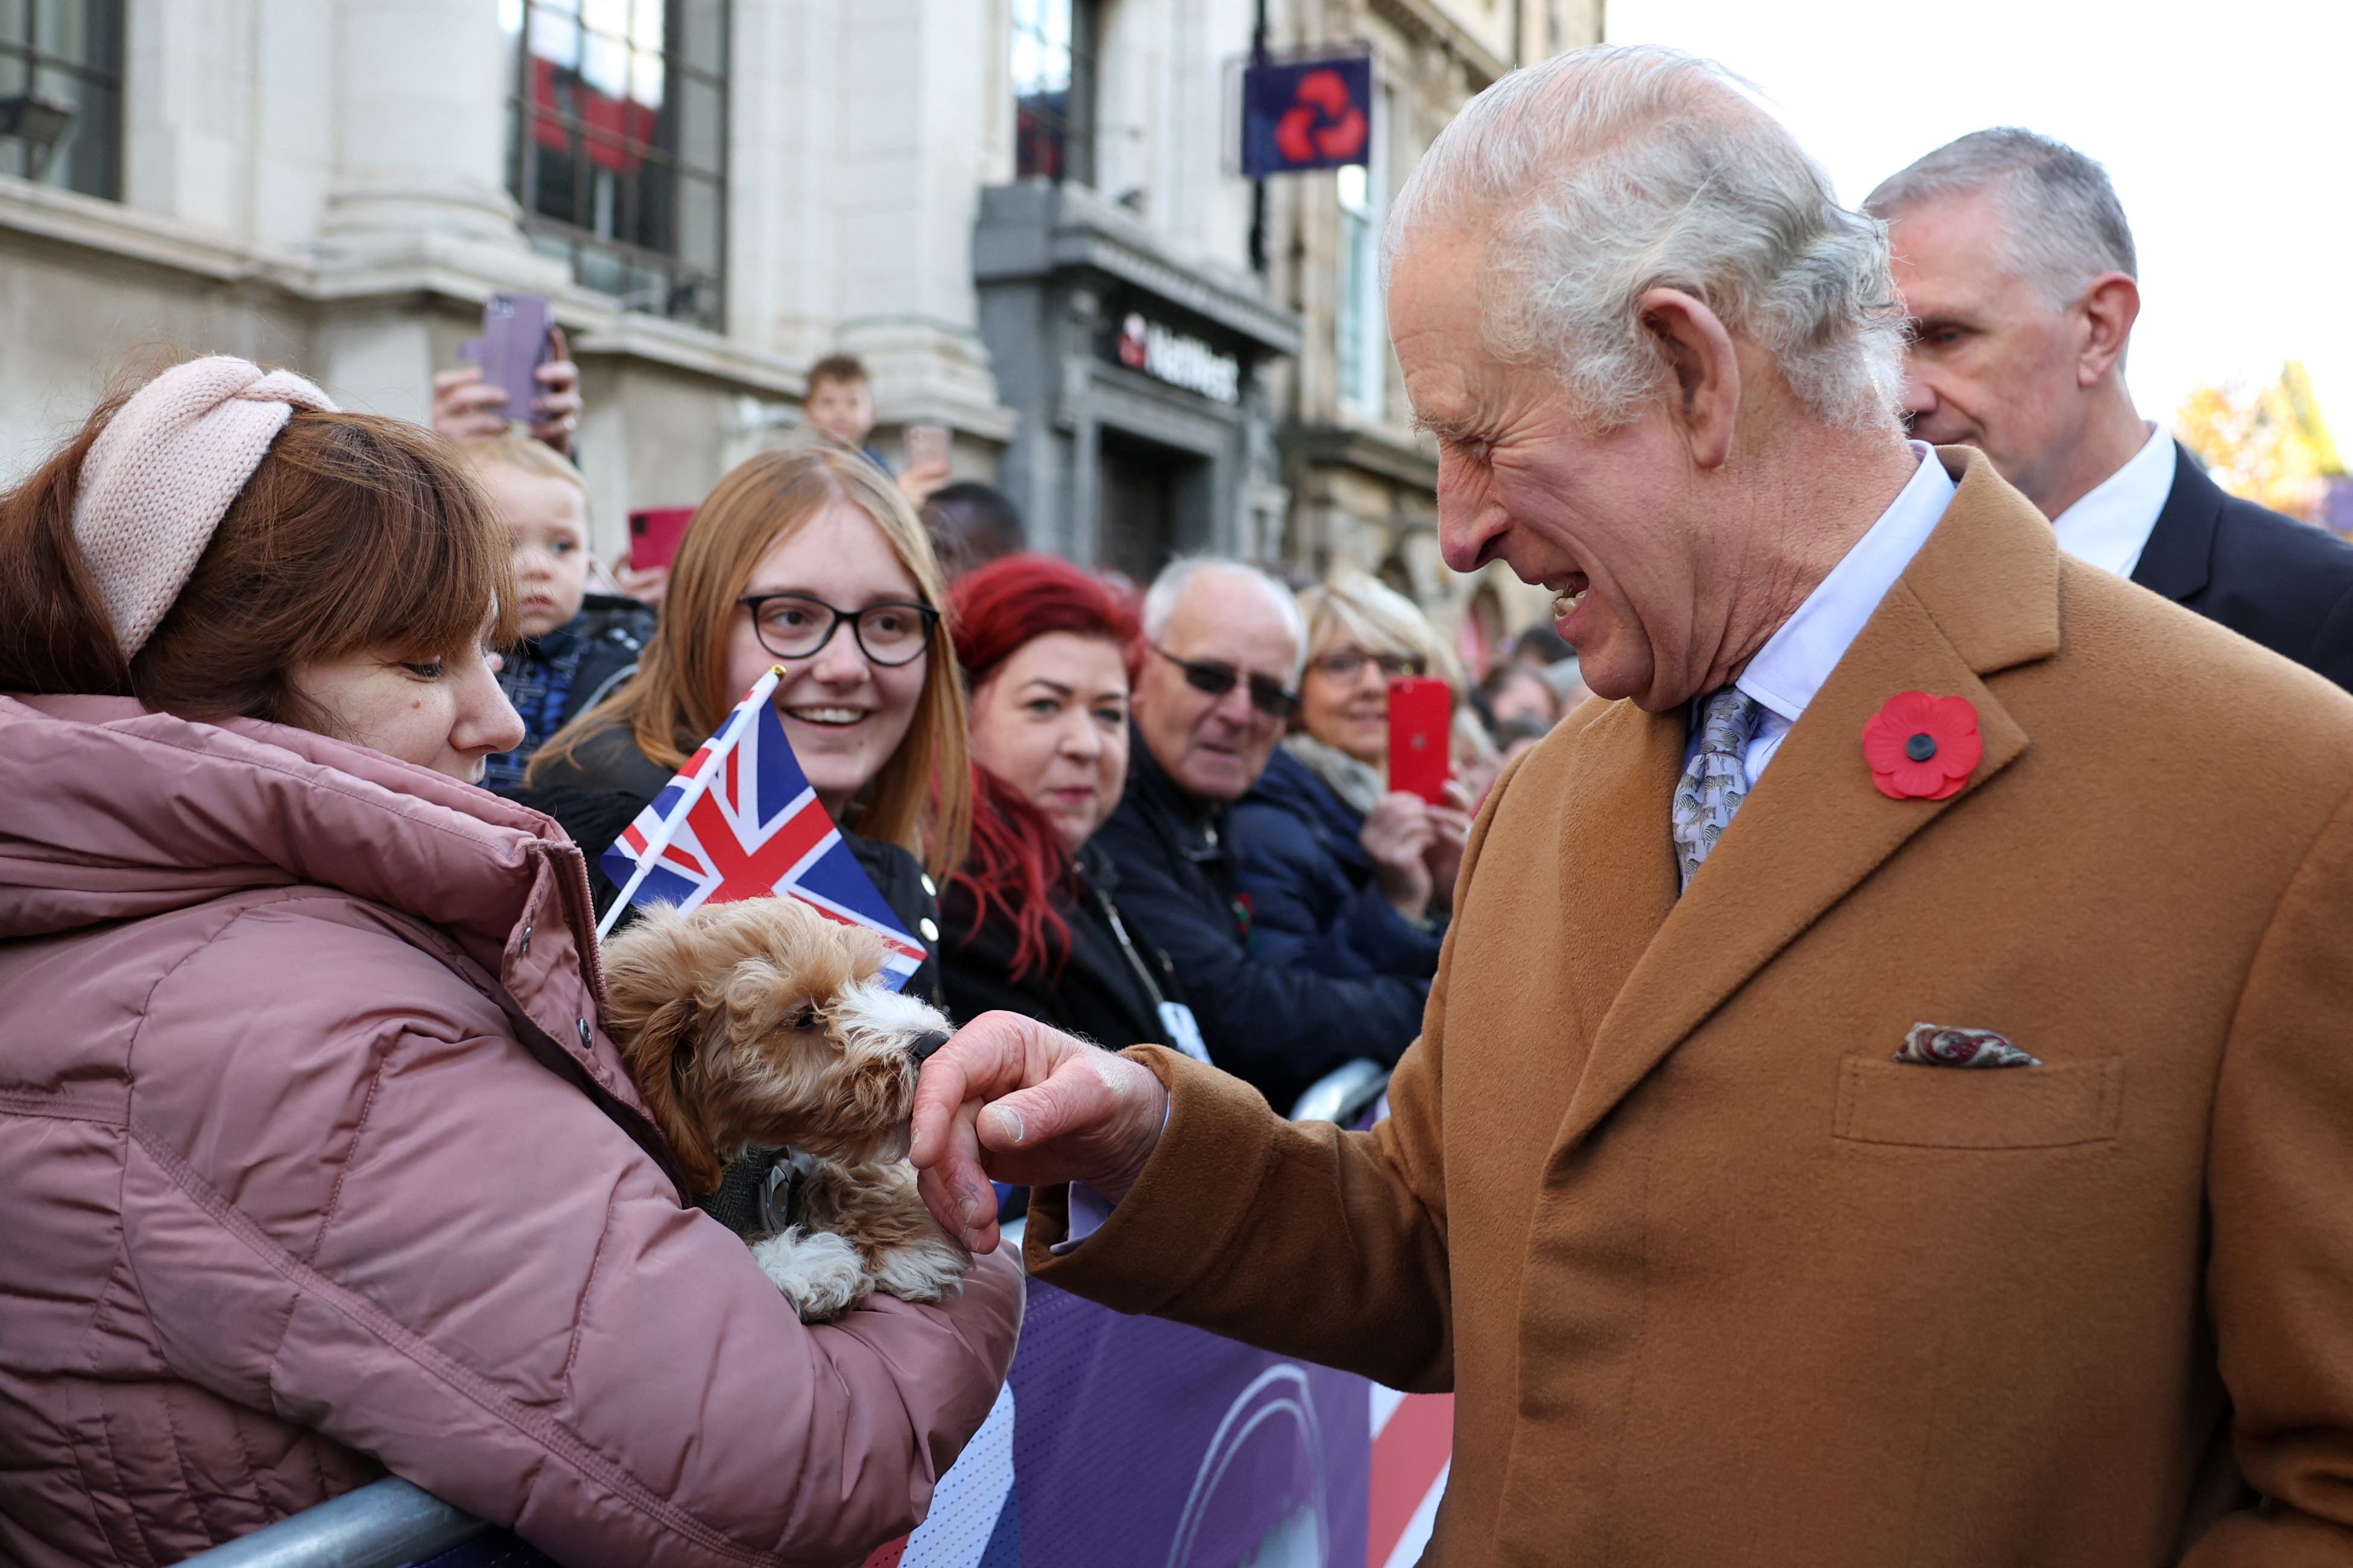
(1616, 881)
(2178, 558)
(1981, 597)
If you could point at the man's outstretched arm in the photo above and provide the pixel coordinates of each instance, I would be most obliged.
(1298, 1238)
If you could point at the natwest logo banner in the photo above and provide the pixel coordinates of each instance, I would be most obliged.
(1178, 359)
(1306, 113)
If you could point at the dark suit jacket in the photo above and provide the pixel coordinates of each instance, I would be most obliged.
(1275, 1025)
(2269, 578)
(1714, 1279)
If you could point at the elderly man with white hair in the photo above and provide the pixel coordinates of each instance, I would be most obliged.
(1224, 643)
(1885, 1098)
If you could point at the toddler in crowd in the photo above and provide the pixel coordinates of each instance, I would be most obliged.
(577, 646)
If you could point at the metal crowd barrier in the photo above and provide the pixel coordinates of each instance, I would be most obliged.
(386, 1524)
(393, 1524)
(1343, 1094)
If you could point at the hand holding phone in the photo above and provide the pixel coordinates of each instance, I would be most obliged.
(654, 535)
(1422, 726)
(513, 345)
(927, 446)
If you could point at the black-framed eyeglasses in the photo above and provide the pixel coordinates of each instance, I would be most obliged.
(1215, 678)
(1345, 664)
(795, 626)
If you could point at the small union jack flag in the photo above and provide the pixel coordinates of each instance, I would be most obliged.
(739, 821)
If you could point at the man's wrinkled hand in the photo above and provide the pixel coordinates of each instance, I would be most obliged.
(1011, 1099)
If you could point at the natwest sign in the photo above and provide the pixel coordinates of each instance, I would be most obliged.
(1306, 113)
(1178, 359)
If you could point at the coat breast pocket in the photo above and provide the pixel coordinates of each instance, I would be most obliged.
(2046, 1107)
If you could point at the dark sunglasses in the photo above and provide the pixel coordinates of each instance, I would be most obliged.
(1267, 694)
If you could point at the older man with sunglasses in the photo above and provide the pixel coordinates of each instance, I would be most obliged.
(1219, 683)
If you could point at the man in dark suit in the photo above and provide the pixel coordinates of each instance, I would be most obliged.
(2017, 267)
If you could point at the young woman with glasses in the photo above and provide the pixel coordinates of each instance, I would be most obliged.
(810, 560)
(813, 561)
(1346, 876)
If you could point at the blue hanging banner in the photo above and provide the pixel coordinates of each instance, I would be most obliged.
(1306, 115)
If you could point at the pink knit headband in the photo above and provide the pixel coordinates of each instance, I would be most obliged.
(160, 475)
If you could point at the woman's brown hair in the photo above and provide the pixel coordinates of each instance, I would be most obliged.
(354, 532)
(922, 797)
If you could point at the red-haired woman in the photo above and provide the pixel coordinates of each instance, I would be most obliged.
(1028, 924)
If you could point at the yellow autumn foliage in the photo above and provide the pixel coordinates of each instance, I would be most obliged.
(2268, 444)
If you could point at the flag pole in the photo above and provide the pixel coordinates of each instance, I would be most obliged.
(695, 790)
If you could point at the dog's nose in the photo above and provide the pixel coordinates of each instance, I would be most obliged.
(927, 1046)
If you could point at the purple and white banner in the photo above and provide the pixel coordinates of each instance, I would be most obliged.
(1135, 1441)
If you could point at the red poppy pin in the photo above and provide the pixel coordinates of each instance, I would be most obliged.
(1922, 747)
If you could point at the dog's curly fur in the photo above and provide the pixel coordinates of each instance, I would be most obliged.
(761, 1021)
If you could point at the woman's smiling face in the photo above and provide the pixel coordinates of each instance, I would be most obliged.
(844, 714)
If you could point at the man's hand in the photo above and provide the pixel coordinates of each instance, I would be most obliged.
(1399, 834)
(1010, 1098)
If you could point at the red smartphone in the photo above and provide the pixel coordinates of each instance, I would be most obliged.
(654, 534)
(1422, 726)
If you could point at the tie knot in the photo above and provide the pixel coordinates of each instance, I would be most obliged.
(1727, 722)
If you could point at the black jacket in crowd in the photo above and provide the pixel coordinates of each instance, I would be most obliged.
(1275, 1025)
(1108, 988)
(2272, 580)
(553, 679)
(599, 789)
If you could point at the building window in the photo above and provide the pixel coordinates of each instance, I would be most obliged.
(1360, 325)
(1054, 90)
(61, 93)
(618, 146)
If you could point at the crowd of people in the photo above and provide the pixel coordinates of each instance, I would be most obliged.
(263, 650)
(325, 1165)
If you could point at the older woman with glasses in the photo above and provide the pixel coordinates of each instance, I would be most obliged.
(1346, 876)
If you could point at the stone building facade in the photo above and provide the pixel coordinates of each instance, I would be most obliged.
(1023, 215)
(1362, 482)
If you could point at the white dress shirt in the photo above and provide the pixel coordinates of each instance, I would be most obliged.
(2110, 526)
(1790, 668)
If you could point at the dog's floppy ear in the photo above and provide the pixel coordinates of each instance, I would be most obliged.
(651, 972)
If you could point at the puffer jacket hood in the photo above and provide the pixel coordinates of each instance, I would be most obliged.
(319, 1164)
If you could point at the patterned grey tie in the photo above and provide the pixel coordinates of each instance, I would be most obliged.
(1716, 779)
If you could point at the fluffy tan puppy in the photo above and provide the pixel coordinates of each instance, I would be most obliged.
(762, 1023)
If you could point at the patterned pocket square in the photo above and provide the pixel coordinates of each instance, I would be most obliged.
(1936, 1046)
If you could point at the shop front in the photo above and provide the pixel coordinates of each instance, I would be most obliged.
(1146, 427)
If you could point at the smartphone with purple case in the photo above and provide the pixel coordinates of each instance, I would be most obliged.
(513, 344)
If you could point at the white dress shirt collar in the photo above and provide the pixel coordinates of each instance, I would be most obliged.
(1788, 669)
(2110, 526)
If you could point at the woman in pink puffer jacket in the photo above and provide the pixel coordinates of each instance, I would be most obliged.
(316, 1162)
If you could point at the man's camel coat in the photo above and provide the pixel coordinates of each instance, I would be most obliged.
(1714, 1279)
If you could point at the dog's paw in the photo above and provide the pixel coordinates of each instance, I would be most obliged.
(822, 1274)
(929, 1269)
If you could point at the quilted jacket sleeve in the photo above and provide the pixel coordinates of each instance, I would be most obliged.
(386, 1222)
